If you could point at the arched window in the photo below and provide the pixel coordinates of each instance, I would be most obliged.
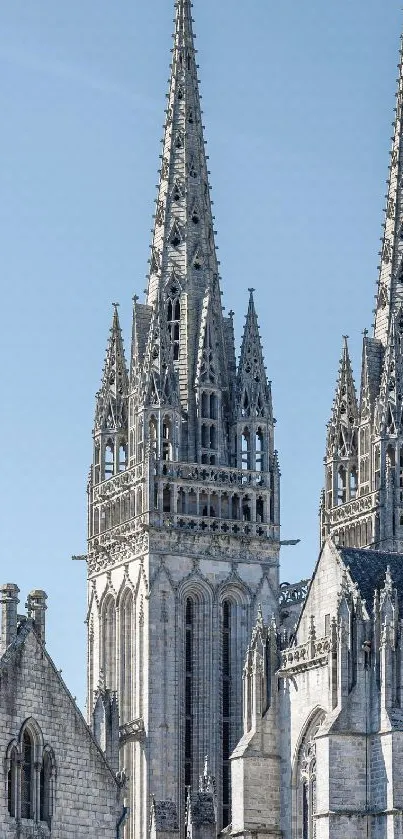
(226, 711)
(174, 317)
(167, 439)
(140, 439)
(353, 483)
(245, 449)
(305, 782)
(12, 782)
(122, 456)
(109, 459)
(341, 485)
(166, 499)
(97, 471)
(46, 791)
(126, 655)
(259, 450)
(189, 640)
(109, 642)
(259, 510)
(27, 776)
(153, 437)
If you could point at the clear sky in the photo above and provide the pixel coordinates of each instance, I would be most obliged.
(298, 101)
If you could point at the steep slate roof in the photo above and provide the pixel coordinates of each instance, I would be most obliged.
(368, 569)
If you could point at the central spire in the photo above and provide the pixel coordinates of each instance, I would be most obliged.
(183, 238)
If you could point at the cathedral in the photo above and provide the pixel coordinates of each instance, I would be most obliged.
(221, 701)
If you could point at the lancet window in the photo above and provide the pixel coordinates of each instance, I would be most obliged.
(189, 676)
(109, 459)
(226, 711)
(305, 783)
(109, 641)
(245, 443)
(126, 655)
(173, 318)
(259, 465)
(341, 485)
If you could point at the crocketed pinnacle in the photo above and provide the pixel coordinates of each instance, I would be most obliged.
(253, 390)
(342, 429)
(183, 237)
(111, 404)
(390, 285)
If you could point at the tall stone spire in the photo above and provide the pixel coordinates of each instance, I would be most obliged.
(390, 284)
(183, 238)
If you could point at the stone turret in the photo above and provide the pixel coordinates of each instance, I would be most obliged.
(36, 609)
(9, 604)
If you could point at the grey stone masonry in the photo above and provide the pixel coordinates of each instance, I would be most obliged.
(54, 778)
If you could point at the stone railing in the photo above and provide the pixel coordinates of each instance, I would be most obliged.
(205, 524)
(115, 486)
(214, 475)
(352, 509)
(313, 653)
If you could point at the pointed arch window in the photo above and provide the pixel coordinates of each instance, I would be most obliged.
(341, 485)
(192, 170)
(245, 453)
(27, 773)
(173, 318)
(176, 192)
(226, 711)
(353, 483)
(189, 676)
(31, 771)
(109, 641)
(109, 459)
(153, 429)
(198, 260)
(245, 405)
(122, 456)
(126, 656)
(167, 439)
(195, 215)
(259, 442)
(175, 237)
(12, 779)
(46, 786)
(179, 142)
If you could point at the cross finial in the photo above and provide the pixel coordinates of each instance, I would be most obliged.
(135, 298)
(365, 332)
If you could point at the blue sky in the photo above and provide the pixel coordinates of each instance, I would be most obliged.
(298, 101)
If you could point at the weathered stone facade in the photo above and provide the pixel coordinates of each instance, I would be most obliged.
(184, 526)
(54, 779)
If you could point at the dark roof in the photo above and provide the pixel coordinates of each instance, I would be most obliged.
(368, 569)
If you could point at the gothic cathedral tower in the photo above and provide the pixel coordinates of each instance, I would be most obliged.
(183, 511)
(362, 503)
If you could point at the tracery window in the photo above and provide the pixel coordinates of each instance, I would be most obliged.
(31, 772)
(308, 777)
(305, 774)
